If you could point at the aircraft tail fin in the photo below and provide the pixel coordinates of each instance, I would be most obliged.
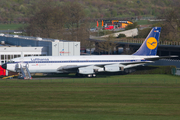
(149, 46)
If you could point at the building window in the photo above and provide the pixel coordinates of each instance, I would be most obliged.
(6, 57)
(2, 57)
(9, 57)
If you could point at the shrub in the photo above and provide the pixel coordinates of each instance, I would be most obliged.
(153, 70)
(121, 35)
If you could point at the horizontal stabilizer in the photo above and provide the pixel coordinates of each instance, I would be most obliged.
(160, 57)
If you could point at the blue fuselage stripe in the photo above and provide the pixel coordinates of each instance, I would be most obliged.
(83, 61)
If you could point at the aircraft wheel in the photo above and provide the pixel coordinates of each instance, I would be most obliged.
(94, 75)
(89, 75)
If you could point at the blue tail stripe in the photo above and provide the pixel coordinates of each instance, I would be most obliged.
(150, 45)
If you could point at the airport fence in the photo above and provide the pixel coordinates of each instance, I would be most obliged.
(177, 43)
(139, 41)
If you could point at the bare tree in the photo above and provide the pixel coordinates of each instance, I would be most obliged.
(75, 14)
(59, 22)
(171, 28)
(107, 46)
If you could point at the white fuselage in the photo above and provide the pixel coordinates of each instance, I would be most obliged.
(53, 64)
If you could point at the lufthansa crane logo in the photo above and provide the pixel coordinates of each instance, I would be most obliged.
(151, 43)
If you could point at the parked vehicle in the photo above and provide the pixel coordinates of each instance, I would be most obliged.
(109, 27)
(93, 29)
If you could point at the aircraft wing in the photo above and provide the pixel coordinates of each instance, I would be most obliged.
(74, 68)
(71, 68)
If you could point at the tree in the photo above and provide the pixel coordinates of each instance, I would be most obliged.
(60, 22)
(143, 33)
(107, 46)
(47, 23)
(131, 26)
(171, 27)
(75, 14)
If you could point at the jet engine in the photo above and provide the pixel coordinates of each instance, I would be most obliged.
(85, 70)
(110, 68)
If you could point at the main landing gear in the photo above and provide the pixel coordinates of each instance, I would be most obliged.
(129, 70)
(91, 75)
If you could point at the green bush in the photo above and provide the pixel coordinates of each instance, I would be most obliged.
(121, 35)
(131, 26)
(104, 32)
(153, 70)
(143, 33)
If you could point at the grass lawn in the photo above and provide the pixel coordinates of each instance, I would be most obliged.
(144, 22)
(10, 26)
(92, 25)
(137, 97)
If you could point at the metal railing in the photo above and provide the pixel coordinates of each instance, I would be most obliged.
(160, 42)
(140, 41)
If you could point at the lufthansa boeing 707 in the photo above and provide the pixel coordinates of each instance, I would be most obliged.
(90, 65)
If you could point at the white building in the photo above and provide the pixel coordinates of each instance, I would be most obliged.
(13, 46)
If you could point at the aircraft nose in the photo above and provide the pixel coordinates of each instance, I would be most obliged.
(4, 65)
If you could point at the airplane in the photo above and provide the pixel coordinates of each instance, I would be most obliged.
(90, 65)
